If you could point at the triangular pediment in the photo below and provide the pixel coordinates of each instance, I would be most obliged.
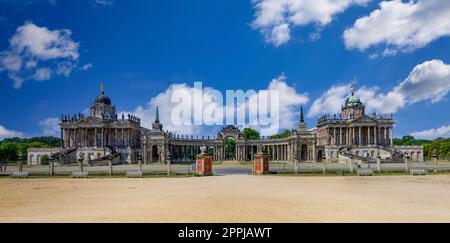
(90, 120)
(365, 119)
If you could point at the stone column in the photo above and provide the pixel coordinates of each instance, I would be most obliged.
(314, 154)
(376, 135)
(129, 137)
(391, 136)
(360, 137)
(347, 136)
(279, 152)
(275, 152)
(368, 136)
(95, 131)
(144, 150)
(353, 135)
(103, 137)
(85, 134)
(334, 136)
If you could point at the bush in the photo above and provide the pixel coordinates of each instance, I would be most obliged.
(45, 160)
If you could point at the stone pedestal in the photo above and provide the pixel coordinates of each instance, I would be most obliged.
(379, 164)
(261, 164)
(204, 165)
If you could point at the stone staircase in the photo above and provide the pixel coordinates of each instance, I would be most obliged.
(65, 156)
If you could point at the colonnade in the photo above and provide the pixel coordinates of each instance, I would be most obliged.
(243, 152)
(100, 137)
(360, 136)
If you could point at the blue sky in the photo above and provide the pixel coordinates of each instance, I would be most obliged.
(140, 48)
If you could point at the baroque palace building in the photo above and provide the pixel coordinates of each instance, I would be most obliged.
(335, 138)
(92, 135)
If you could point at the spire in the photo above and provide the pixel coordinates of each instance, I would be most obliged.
(302, 118)
(352, 89)
(102, 88)
(302, 125)
(157, 114)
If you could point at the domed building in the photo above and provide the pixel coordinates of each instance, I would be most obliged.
(357, 134)
(353, 107)
(89, 136)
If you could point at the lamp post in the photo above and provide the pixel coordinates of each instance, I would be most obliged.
(140, 162)
(169, 169)
(324, 168)
(405, 160)
(378, 162)
(109, 157)
(435, 157)
(52, 166)
(80, 159)
(19, 162)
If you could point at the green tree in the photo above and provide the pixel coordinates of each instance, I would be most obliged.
(10, 148)
(45, 159)
(210, 151)
(250, 134)
(230, 148)
(8, 151)
(284, 134)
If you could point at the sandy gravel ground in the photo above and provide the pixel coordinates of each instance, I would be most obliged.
(227, 199)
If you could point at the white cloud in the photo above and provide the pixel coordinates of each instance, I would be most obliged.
(44, 44)
(290, 100)
(280, 35)
(50, 126)
(42, 74)
(86, 66)
(5, 133)
(104, 2)
(10, 61)
(429, 81)
(275, 18)
(330, 101)
(65, 68)
(441, 132)
(32, 47)
(400, 26)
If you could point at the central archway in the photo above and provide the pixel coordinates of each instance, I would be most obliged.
(230, 148)
(155, 155)
(304, 152)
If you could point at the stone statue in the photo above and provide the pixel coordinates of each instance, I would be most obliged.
(203, 149)
(260, 149)
(434, 153)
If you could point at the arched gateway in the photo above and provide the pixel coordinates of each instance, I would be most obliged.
(228, 144)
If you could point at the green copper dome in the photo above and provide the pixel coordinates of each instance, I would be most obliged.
(353, 100)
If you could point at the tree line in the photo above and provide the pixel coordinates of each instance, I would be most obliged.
(441, 145)
(13, 149)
